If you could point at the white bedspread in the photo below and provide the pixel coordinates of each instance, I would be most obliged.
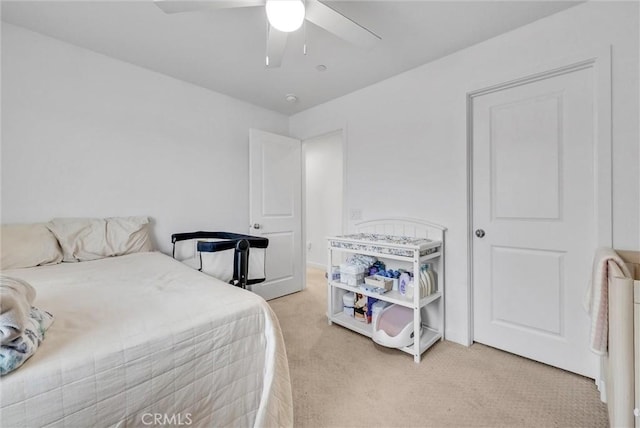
(143, 339)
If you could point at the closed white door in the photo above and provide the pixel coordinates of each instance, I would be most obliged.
(533, 218)
(275, 200)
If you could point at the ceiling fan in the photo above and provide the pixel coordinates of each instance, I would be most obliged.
(284, 16)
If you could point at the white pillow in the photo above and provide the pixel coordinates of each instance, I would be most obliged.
(28, 245)
(84, 239)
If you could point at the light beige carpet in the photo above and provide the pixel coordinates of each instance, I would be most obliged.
(340, 378)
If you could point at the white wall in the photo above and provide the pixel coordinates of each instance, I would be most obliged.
(87, 135)
(323, 194)
(414, 127)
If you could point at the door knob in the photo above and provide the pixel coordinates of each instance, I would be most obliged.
(256, 226)
(480, 233)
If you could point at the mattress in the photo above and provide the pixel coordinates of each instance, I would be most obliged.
(143, 340)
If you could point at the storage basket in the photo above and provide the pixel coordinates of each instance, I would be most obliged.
(351, 274)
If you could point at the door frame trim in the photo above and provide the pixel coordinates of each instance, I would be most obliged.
(338, 132)
(599, 59)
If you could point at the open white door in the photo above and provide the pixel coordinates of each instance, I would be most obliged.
(275, 209)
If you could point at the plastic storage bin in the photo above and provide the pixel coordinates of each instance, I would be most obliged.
(376, 308)
(348, 301)
(393, 327)
(379, 282)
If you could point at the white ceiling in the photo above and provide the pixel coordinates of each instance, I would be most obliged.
(224, 50)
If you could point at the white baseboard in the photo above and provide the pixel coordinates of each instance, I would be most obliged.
(316, 265)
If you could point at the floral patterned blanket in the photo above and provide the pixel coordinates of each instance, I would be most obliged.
(20, 349)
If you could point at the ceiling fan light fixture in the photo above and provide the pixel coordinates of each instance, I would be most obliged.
(285, 15)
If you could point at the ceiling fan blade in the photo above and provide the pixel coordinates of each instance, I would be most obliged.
(276, 43)
(336, 23)
(179, 6)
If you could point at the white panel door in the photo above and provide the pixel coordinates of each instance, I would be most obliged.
(533, 199)
(275, 204)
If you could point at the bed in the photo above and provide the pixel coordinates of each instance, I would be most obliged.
(142, 339)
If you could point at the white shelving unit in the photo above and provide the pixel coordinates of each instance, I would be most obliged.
(424, 243)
